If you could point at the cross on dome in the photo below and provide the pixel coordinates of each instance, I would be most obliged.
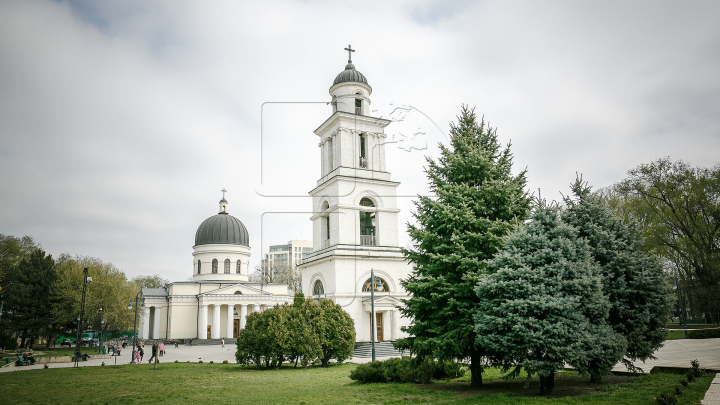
(350, 51)
(223, 191)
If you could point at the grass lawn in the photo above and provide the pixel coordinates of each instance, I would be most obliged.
(208, 383)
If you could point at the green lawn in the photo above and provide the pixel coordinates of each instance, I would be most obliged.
(229, 383)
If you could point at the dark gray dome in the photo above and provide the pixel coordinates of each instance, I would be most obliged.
(350, 75)
(222, 229)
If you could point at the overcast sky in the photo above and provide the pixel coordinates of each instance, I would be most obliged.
(120, 122)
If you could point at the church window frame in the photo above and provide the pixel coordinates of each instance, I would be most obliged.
(358, 103)
(214, 266)
(199, 266)
(238, 292)
(381, 286)
(318, 288)
(368, 222)
(226, 266)
(363, 151)
(238, 266)
(325, 224)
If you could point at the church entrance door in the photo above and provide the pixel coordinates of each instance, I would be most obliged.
(379, 326)
(209, 331)
(236, 329)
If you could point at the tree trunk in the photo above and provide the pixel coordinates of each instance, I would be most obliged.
(595, 378)
(475, 368)
(547, 383)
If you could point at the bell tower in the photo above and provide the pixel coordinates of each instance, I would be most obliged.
(355, 224)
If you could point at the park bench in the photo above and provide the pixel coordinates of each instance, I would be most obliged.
(22, 361)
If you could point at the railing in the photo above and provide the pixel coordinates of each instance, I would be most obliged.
(358, 110)
(367, 240)
(363, 163)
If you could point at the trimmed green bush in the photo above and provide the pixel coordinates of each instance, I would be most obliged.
(704, 334)
(406, 369)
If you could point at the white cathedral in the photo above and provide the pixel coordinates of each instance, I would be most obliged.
(355, 230)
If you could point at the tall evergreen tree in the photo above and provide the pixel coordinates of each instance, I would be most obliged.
(543, 304)
(632, 279)
(477, 200)
(27, 294)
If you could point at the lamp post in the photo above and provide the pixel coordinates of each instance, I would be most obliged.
(80, 314)
(137, 297)
(682, 309)
(102, 323)
(372, 311)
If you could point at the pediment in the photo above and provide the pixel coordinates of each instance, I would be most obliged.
(244, 289)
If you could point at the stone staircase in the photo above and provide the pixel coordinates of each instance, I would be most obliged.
(382, 349)
(210, 342)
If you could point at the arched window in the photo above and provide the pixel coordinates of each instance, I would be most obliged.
(367, 224)
(237, 266)
(214, 266)
(363, 155)
(318, 288)
(358, 104)
(238, 292)
(326, 222)
(227, 266)
(380, 285)
(199, 265)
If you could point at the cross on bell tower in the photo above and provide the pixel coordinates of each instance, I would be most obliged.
(350, 51)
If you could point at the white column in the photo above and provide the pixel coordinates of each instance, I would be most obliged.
(381, 139)
(215, 331)
(393, 325)
(145, 331)
(256, 308)
(202, 323)
(156, 323)
(243, 315)
(230, 321)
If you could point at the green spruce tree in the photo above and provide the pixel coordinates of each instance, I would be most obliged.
(543, 305)
(27, 294)
(477, 200)
(633, 280)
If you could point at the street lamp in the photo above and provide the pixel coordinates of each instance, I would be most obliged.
(682, 309)
(80, 314)
(130, 306)
(102, 323)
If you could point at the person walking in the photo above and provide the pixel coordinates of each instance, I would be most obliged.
(142, 351)
(162, 348)
(223, 342)
(138, 359)
(153, 352)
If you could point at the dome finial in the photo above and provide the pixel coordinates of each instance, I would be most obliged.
(223, 203)
(350, 51)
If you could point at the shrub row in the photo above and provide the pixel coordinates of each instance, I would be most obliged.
(704, 334)
(406, 369)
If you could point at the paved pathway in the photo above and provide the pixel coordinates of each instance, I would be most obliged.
(680, 352)
(712, 396)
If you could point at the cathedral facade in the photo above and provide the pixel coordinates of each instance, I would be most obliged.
(216, 302)
(355, 234)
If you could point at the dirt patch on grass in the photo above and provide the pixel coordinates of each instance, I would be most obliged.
(565, 386)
